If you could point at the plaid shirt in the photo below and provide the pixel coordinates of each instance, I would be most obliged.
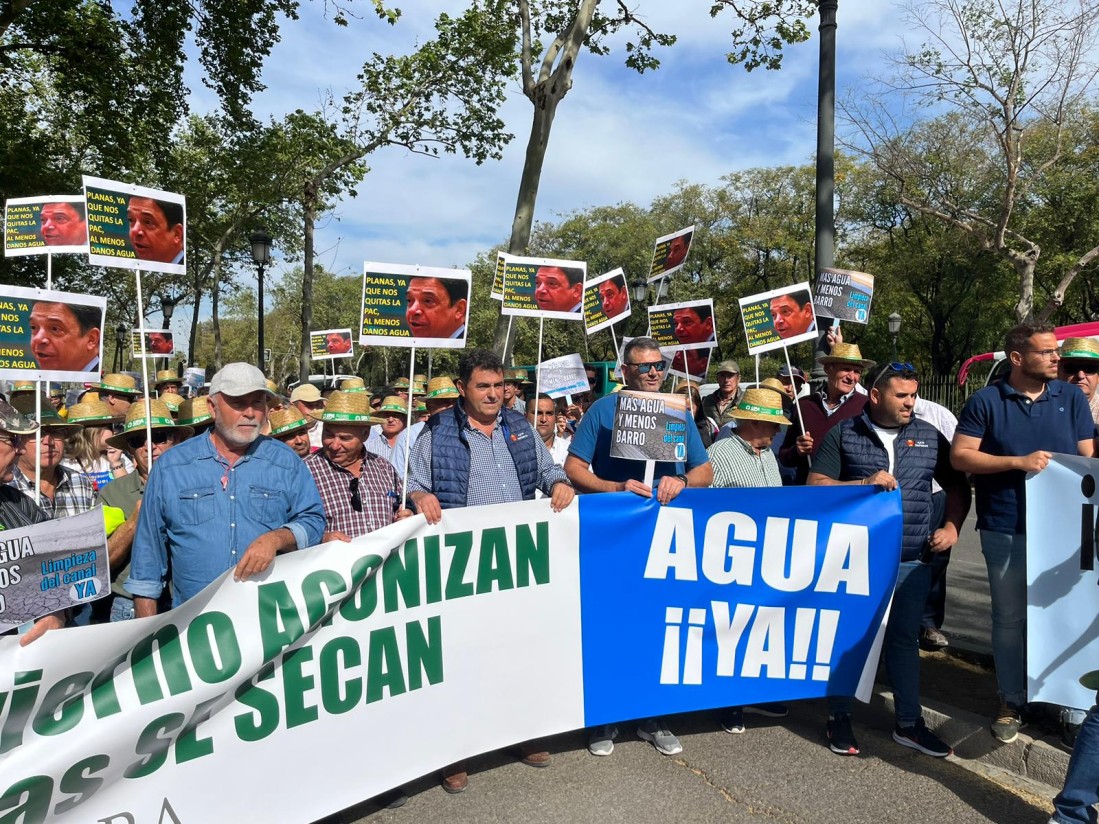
(379, 490)
(73, 494)
(736, 464)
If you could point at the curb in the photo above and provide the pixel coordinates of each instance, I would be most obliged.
(1037, 759)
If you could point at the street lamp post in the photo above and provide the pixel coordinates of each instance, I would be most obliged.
(261, 255)
(120, 343)
(895, 331)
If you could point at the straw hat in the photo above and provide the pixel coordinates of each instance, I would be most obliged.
(166, 376)
(122, 384)
(402, 383)
(160, 418)
(760, 405)
(287, 420)
(22, 386)
(441, 388)
(354, 385)
(419, 379)
(515, 376)
(847, 354)
(195, 412)
(172, 401)
(419, 388)
(24, 403)
(394, 403)
(419, 406)
(686, 386)
(775, 385)
(92, 413)
(350, 408)
(1079, 349)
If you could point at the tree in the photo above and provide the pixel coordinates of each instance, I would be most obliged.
(1003, 71)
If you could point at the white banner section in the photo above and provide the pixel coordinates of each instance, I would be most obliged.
(327, 680)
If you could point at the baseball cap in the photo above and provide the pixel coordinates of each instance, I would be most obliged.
(237, 379)
(784, 372)
(728, 366)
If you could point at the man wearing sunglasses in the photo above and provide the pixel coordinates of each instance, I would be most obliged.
(1005, 432)
(126, 492)
(1079, 365)
(886, 446)
(591, 468)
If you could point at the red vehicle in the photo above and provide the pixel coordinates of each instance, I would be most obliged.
(1001, 366)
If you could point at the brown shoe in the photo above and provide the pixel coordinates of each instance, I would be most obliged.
(533, 757)
(455, 779)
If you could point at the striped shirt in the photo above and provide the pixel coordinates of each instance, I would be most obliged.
(736, 464)
(379, 490)
(17, 510)
(73, 494)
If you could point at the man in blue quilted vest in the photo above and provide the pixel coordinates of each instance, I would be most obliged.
(888, 447)
(476, 453)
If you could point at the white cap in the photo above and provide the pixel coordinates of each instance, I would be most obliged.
(238, 379)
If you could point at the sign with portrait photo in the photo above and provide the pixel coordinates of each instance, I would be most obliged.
(134, 227)
(670, 253)
(329, 344)
(606, 300)
(844, 294)
(691, 363)
(53, 224)
(414, 306)
(544, 288)
(650, 426)
(686, 325)
(50, 336)
(781, 317)
(159, 343)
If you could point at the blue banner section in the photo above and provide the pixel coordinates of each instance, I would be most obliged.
(731, 596)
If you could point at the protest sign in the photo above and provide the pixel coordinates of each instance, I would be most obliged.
(691, 363)
(685, 325)
(51, 224)
(414, 306)
(844, 294)
(329, 344)
(50, 336)
(134, 227)
(420, 636)
(52, 566)
(562, 376)
(606, 300)
(195, 378)
(781, 317)
(159, 343)
(496, 292)
(670, 253)
(544, 288)
(650, 426)
(1062, 570)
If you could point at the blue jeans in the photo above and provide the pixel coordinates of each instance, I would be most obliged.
(1073, 805)
(122, 608)
(1005, 557)
(901, 645)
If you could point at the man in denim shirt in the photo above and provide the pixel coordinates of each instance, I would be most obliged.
(228, 499)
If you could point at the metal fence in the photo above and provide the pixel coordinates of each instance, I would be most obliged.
(944, 389)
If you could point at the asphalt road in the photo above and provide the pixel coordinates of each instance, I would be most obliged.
(968, 620)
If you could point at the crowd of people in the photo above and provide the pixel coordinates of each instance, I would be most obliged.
(269, 474)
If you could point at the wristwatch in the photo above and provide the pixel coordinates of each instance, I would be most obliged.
(683, 478)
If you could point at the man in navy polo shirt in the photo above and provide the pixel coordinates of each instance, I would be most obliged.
(1006, 431)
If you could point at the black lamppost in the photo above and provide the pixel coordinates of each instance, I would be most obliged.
(120, 343)
(895, 331)
(261, 255)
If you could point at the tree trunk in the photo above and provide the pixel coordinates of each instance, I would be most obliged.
(309, 202)
(192, 340)
(215, 288)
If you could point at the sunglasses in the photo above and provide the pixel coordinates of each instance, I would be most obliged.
(894, 368)
(356, 499)
(645, 368)
(159, 438)
(1086, 368)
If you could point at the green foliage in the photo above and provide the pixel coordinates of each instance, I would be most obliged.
(764, 28)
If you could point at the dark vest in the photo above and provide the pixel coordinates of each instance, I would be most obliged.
(450, 455)
(915, 455)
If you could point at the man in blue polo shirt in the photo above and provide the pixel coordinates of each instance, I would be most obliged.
(591, 468)
(1006, 431)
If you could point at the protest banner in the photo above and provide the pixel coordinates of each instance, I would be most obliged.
(670, 253)
(135, 227)
(691, 363)
(159, 343)
(844, 294)
(52, 566)
(52, 224)
(195, 378)
(496, 292)
(606, 300)
(420, 636)
(544, 288)
(563, 376)
(329, 344)
(685, 325)
(50, 336)
(414, 306)
(781, 317)
(649, 426)
(1062, 570)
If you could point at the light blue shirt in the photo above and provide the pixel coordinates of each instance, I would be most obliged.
(202, 514)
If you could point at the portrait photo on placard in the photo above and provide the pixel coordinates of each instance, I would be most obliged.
(54, 224)
(670, 253)
(159, 343)
(135, 227)
(404, 305)
(50, 335)
(691, 363)
(544, 288)
(606, 300)
(686, 325)
(329, 344)
(781, 317)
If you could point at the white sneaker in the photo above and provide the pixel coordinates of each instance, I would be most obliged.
(654, 731)
(601, 741)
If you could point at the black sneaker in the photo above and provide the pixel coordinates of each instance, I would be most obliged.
(1005, 726)
(733, 720)
(841, 738)
(919, 737)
